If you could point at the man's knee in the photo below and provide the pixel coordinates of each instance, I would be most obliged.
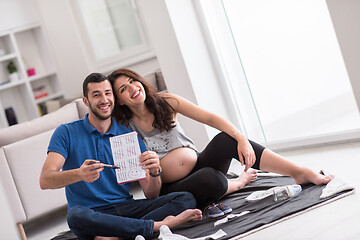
(186, 199)
(76, 215)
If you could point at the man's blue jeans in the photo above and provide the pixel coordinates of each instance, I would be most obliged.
(127, 219)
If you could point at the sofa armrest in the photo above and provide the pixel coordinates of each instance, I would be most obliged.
(10, 189)
(25, 159)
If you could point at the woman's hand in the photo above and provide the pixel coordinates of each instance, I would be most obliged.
(151, 186)
(150, 160)
(246, 153)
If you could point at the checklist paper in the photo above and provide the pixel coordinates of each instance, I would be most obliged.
(126, 151)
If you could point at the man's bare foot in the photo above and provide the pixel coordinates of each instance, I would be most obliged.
(107, 238)
(185, 216)
(306, 175)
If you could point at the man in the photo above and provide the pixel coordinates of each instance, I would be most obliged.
(98, 207)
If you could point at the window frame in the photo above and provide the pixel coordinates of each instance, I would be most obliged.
(340, 137)
(125, 57)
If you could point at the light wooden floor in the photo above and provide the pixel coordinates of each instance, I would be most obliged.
(339, 220)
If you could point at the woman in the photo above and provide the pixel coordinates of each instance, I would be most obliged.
(154, 117)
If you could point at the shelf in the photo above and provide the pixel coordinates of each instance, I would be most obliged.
(49, 97)
(34, 52)
(4, 76)
(41, 76)
(6, 45)
(27, 27)
(18, 98)
(8, 57)
(47, 84)
(10, 85)
(27, 48)
(3, 120)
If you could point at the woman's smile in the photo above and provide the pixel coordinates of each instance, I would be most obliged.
(135, 94)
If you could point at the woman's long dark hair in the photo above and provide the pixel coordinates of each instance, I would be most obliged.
(163, 113)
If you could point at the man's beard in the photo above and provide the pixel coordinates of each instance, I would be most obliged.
(98, 115)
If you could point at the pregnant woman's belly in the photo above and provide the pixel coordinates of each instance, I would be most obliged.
(177, 164)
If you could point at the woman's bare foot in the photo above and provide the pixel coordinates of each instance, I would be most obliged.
(245, 177)
(272, 162)
(185, 216)
(306, 175)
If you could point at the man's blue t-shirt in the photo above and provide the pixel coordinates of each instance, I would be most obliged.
(78, 141)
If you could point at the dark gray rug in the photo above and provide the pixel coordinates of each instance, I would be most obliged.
(262, 212)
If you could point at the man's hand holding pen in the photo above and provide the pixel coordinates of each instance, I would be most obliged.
(90, 170)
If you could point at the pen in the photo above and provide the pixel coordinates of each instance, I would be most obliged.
(106, 165)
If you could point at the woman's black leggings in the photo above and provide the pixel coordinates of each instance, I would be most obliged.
(207, 181)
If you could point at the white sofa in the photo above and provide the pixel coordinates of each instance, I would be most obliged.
(23, 150)
(22, 154)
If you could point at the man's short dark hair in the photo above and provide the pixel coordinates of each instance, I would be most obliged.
(92, 78)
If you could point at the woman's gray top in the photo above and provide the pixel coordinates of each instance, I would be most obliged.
(162, 142)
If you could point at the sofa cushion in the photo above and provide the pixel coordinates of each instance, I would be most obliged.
(10, 190)
(151, 78)
(156, 79)
(160, 81)
(25, 159)
(81, 107)
(49, 121)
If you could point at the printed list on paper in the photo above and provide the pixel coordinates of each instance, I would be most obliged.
(126, 151)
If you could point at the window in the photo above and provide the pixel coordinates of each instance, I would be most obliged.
(284, 67)
(114, 29)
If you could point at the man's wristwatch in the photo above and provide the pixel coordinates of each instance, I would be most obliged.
(157, 174)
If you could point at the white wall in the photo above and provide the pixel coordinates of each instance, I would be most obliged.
(70, 49)
(346, 20)
(17, 13)
(66, 39)
(179, 45)
(184, 59)
(72, 64)
(186, 73)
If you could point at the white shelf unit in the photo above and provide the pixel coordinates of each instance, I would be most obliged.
(27, 48)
